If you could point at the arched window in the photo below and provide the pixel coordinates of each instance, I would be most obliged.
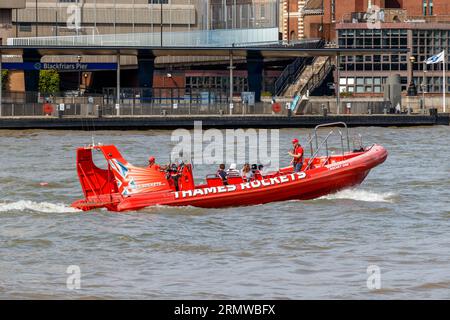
(293, 36)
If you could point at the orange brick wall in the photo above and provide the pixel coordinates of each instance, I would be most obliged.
(16, 81)
(414, 7)
(162, 81)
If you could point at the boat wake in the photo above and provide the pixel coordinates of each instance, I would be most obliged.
(362, 195)
(44, 207)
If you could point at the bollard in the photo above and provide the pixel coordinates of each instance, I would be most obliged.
(289, 112)
(99, 111)
(324, 111)
(433, 112)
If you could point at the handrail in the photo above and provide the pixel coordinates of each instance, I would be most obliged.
(342, 142)
(362, 17)
(317, 150)
(288, 73)
(317, 77)
(223, 37)
(293, 71)
(310, 144)
(333, 124)
(319, 147)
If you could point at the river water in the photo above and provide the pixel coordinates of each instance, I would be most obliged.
(398, 220)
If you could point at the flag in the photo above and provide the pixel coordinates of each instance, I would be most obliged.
(436, 59)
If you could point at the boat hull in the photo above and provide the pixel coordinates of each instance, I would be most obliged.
(307, 185)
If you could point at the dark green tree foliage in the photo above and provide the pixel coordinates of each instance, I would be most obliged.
(5, 75)
(49, 81)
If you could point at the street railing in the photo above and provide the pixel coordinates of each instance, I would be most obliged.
(166, 102)
(133, 102)
(145, 109)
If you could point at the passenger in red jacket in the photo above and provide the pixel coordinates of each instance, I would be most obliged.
(297, 155)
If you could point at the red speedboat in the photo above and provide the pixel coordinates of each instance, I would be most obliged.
(122, 186)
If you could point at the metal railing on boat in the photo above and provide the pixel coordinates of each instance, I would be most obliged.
(314, 154)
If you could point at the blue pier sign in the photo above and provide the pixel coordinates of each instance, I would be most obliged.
(60, 66)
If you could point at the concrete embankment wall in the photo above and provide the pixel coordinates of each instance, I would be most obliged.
(221, 122)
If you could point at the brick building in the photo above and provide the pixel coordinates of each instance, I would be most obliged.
(321, 16)
(292, 20)
(423, 26)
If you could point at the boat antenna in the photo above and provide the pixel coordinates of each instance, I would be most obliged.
(170, 159)
(93, 131)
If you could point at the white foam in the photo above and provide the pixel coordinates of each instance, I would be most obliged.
(44, 207)
(362, 195)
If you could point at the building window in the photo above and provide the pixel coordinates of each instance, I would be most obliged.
(363, 84)
(215, 84)
(158, 1)
(25, 27)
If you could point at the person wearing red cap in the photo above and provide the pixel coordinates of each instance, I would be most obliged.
(152, 165)
(297, 155)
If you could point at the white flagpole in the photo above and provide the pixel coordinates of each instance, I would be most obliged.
(444, 79)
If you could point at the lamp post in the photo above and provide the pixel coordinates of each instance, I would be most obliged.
(231, 67)
(85, 80)
(161, 21)
(424, 86)
(412, 89)
(79, 75)
(337, 87)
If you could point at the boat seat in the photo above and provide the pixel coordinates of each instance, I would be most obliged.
(214, 181)
(235, 180)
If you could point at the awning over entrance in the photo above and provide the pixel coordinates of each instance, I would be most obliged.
(313, 7)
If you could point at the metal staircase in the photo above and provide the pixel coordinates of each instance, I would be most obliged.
(311, 78)
(291, 75)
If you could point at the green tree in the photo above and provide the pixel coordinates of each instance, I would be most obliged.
(5, 74)
(49, 81)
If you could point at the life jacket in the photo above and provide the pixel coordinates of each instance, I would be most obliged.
(295, 152)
